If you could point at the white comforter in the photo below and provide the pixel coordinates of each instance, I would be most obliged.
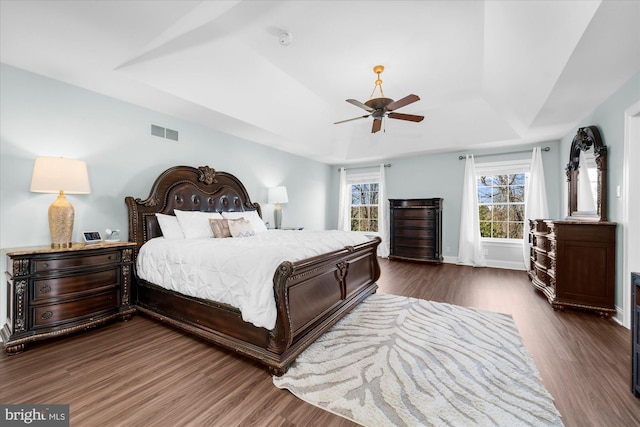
(235, 271)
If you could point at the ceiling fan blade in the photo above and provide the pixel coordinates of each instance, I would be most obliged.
(409, 117)
(359, 104)
(402, 102)
(349, 120)
(377, 124)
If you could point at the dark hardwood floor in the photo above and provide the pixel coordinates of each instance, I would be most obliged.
(141, 373)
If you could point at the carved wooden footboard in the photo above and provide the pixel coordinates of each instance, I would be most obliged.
(311, 294)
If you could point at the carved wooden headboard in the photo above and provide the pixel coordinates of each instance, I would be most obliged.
(189, 189)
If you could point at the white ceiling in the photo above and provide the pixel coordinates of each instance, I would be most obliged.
(489, 73)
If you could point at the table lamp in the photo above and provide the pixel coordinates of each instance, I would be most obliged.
(278, 195)
(60, 175)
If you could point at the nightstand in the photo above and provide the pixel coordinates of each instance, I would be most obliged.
(53, 292)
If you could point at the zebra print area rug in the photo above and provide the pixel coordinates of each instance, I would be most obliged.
(403, 361)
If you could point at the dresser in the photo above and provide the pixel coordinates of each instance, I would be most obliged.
(635, 333)
(573, 263)
(53, 292)
(416, 229)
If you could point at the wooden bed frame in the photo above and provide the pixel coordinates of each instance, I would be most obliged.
(311, 295)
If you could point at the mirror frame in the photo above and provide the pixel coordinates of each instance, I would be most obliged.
(586, 138)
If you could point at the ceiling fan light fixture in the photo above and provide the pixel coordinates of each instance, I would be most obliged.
(382, 107)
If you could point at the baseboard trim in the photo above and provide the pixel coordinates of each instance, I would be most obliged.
(619, 317)
(493, 263)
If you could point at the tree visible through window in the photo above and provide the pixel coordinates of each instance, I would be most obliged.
(501, 205)
(364, 207)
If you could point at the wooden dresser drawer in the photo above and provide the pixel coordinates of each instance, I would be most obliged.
(49, 315)
(419, 233)
(542, 258)
(399, 224)
(51, 264)
(44, 289)
(542, 242)
(414, 252)
(541, 274)
(411, 241)
(415, 213)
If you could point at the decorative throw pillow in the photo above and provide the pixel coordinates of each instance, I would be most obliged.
(195, 224)
(251, 216)
(241, 228)
(169, 226)
(220, 227)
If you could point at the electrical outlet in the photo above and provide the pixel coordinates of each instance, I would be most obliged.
(486, 251)
(448, 249)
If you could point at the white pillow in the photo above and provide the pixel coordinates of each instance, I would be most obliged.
(195, 224)
(252, 216)
(169, 226)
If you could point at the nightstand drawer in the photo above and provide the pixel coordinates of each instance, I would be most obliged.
(50, 315)
(44, 289)
(50, 264)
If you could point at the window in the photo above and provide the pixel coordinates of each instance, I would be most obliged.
(364, 206)
(501, 194)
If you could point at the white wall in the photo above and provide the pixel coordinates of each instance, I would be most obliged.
(44, 117)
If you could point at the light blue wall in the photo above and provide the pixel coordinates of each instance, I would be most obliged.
(609, 118)
(44, 117)
(441, 175)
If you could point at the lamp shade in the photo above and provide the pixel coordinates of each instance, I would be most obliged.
(278, 195)
(55, 174)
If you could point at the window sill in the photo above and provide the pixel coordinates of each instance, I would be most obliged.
(502, 242)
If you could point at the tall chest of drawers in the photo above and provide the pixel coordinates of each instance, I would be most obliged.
(416, 229)
(53, 292)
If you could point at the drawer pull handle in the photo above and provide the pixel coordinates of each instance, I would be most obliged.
(46, 315)
(45, 289)
(45, 265)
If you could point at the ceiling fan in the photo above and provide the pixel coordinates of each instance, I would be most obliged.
(383, 107)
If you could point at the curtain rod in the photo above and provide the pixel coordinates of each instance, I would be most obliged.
(387, 165)
(508, 152)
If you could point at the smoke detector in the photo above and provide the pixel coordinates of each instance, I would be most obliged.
(285, 39)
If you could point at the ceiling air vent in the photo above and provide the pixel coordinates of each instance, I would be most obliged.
(164, 133)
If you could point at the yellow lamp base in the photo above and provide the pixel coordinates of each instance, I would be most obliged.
(61, 216)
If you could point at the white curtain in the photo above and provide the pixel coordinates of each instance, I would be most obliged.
(343, 203)
(383, 215)
(470, 244)
(535, 201)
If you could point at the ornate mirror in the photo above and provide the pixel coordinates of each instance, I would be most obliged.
(587, 176)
